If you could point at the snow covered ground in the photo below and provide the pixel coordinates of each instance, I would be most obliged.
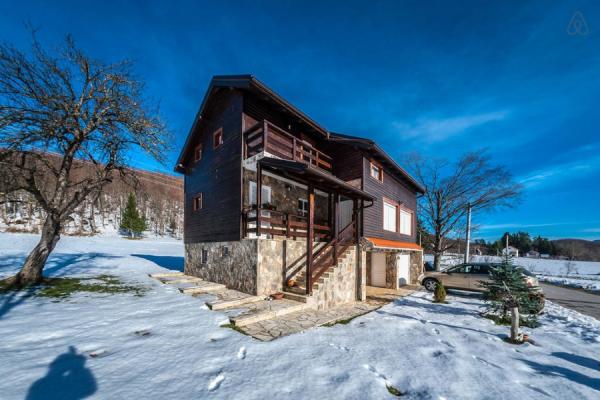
(88, 345)
(592, 285)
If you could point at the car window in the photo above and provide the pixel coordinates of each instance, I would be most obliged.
(461, 269)
(480, 269)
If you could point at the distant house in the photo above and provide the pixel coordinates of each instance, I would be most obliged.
(544, 255)
(532, 254)
(511, 251)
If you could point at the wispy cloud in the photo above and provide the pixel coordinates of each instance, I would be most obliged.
(559, 172)
(591, 230)
(519, 225)
(438, 129)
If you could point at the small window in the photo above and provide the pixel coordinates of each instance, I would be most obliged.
(218, 138)
(198, 153)
(265, 195)
(390, 216)
(303, 207)
(376, 171)
(204, 256)
(198, 202)
(405, 222)
(226, 251)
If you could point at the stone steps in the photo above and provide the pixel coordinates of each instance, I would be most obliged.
(267, 309)
(222, 304)
(166, 275)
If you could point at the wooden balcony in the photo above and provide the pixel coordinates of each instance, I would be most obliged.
(265, 136)
(277, 223)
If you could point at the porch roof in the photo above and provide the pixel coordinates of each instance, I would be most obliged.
(393, 244)
(320, 179)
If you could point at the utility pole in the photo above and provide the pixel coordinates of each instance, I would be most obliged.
(468, 244)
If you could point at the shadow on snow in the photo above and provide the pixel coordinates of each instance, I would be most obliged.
(169, 262)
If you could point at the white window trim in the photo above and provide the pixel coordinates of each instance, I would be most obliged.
(395, 207)
(403, 213)
(252, 189)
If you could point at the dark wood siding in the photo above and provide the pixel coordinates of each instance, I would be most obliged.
(392, 189)
(217, 175)
(347, 162)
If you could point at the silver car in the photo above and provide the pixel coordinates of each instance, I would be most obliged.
(466, 277)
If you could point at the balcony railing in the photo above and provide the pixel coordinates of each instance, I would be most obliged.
(265, 136)
(278, 223)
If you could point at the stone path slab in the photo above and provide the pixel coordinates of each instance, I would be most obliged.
(299, 321)
(266, 309)
(232, 298)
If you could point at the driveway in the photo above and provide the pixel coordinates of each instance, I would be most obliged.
(578, 300)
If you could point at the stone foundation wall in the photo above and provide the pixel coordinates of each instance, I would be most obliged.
(416, 266)
(237, 270)
(391, 272)
(340, 287)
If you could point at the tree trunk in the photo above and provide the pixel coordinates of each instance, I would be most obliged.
(514, 325)
(437, 251)
(31, 272)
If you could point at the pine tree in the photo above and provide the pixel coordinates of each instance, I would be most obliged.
(508, 289)
(439, 295)
(131, 221)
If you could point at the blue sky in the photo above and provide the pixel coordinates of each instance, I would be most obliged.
(439, 78)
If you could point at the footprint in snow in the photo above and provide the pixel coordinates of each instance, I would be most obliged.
(446, 343)
(216, 382)
(374, 371)
(99, 353)
(436, 331)
(485, 362)
(343, 348)
(241, 353)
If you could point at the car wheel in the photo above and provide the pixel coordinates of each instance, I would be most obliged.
(430, 284)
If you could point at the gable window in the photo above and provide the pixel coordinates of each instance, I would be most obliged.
(218, 138)
(197, 202)
(204, 256)
(376, 171)
(303, 207)
(198, 153)
(390, 216)
(405, 222)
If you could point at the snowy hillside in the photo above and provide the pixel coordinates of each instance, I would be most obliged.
(168, 345)
(159, 198)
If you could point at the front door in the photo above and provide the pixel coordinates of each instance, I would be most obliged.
(378, 269)
(403, 265)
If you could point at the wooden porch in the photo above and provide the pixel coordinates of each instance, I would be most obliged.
(337, 238)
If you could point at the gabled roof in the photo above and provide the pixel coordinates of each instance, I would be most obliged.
(251, 84)
(372, 147)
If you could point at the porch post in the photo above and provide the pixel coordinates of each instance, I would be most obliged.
(310, 237)
(335, 227)
(258, 196)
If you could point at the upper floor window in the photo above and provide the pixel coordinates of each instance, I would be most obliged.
(218, 138)
(405, 222)
(198, 153)
(197, 202)
(390, 216)
(376, 171)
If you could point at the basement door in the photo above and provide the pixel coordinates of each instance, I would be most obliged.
(378, 269)
(403, 265)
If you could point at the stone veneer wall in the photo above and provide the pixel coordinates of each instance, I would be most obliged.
(391, 272)
(238, 270)
(285, 196)
(340, 287)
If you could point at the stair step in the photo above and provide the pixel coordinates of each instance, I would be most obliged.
(207, 287)
(302, 298)
(223, 304)
(253, 317)
(165, 275)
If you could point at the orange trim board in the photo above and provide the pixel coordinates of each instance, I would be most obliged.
(394, 243)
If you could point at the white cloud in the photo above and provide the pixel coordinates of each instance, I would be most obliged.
(559, 171)
(438, 129)
(519, 225)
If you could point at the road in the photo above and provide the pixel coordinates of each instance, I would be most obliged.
(578, 300)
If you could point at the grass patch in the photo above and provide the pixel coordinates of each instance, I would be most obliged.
(235, 328)
(394, 391)
(61, 288)
(346, 321)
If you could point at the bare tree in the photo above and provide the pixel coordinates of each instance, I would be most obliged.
(450, 187)
(84, 111)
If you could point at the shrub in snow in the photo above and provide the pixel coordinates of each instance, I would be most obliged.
(508, 289)
(439, 295)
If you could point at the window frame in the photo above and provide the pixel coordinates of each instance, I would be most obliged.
(301, 211)
(204, 256)
(195, 205)
(198, 153)
(397, 208)
(219, 133)
(412, 216)
(379, 177)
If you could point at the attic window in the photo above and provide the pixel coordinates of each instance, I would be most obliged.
(376, 171)
(197, 202)
(198, 153)
(218, 138)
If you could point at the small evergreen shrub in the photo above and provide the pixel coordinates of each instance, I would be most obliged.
(439, 295)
